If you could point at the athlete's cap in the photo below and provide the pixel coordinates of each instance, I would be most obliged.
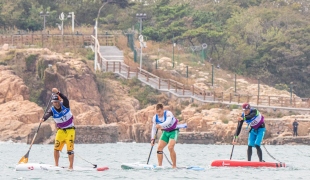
(55, 98)
(246, 106)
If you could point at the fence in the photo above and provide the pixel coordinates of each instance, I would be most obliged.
(46, 40)
(192, 91)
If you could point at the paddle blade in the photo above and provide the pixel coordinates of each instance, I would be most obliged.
(24, 159)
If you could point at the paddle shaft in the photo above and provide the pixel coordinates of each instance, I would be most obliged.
(35, 135)
(232, 150)
(152, 147)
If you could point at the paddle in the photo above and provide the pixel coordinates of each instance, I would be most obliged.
(232, 150)
(24, 159)
(152, 147)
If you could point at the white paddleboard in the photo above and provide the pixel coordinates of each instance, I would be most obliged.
(48, 167)
(139, 166)
(148, 166)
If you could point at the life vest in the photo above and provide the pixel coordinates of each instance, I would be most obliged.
(170, 127)
(256, 121)
(64, 118)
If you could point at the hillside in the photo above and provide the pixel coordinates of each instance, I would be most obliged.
(258, 39)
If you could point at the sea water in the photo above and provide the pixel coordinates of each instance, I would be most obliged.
(113, 155)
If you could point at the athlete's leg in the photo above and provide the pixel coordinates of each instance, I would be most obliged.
(259, 153)
(258, 141)
(58, 145)
(70, 146)
(249, 152)
(56, 157)
(71, 159)
(251, 143)
(161, 145)
(173, 155)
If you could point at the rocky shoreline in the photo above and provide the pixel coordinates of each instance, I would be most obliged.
(105, 111)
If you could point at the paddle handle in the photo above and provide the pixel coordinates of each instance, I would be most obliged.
(148, 159)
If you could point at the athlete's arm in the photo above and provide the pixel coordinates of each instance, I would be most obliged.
(65, 100)
(153, 128)
(251, 115)
(168, 120)
(240, 123)
(48, 114)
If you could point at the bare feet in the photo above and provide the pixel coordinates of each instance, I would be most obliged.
(174, 167)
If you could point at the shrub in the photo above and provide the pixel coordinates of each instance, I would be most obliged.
(30, 62)
(225, 121)
(233, 106)
(281, 86)
(90, 55)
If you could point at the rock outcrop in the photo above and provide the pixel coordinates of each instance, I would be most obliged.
(12, 86)
(106, 112)
(17, 119)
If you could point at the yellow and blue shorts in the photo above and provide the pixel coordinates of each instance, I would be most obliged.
(64, 137)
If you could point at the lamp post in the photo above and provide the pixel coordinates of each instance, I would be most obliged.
(174, 44)
(72, 15)
(212, 73)
(257, 91)
(235, 83)
(141, 16)
(142, 45)
(42, 14)
(62, 18)
(291, 90)
(96, 33)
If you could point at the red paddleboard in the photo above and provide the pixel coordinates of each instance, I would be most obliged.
(237, 163)
(102, 168)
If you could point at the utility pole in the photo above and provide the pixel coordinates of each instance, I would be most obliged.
(62, 18)
(72, 15)
(42, 14)
(141, 16)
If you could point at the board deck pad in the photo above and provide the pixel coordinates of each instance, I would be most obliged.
(48, 167)
(238, 163)
(149, 166)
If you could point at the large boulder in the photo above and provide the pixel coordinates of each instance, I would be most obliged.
(17, 118)
(85, 114)
(12, 86)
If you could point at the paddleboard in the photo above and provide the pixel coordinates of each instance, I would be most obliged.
(238, 163)
(148, 166)
(48, 167)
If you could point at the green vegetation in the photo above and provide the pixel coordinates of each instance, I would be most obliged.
(25, 14)
(90, 55)
(8, 56)
(36, 95)
(256, 38)
(30, 61)
(41, 68)
(282, 86)
(233, 106)
(225, 121)
(146, 95)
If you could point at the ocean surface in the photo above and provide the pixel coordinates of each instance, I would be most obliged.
(113, 155)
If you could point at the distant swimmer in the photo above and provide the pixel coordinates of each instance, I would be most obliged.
(256, 134)
(165, 120)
